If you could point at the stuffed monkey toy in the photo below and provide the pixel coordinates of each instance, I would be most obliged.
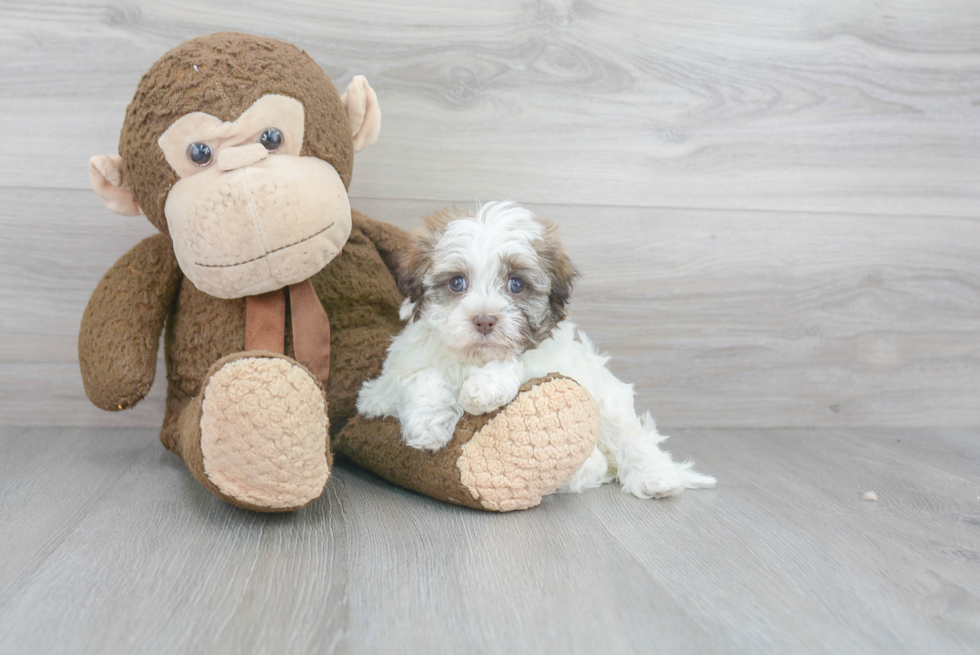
(277, 300)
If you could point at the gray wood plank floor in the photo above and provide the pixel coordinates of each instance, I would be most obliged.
(776, 212)
(110, 546)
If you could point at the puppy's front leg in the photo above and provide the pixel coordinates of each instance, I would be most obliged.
(491, 386)
(428, 410)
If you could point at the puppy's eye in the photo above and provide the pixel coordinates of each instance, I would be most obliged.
(515, 285)
(271, 139)
(458, 284)
(200, 154)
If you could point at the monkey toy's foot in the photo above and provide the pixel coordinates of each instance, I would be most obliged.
(256, 435)
(506, 460)
(531, 447)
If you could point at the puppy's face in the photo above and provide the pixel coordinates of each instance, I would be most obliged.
(491, 284)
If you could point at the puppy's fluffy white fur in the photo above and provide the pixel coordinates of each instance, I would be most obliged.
(474, 336)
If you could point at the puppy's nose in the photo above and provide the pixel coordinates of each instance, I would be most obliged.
(484, 324)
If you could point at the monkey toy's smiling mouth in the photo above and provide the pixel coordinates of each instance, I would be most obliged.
(249, 261)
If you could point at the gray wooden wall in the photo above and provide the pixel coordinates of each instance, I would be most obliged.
(775, 205)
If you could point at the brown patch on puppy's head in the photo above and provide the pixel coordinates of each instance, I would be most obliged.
(491, 281)
(416, 262)
(559, 269)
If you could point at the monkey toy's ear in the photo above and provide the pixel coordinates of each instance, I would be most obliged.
(361, 103)
(108, 174)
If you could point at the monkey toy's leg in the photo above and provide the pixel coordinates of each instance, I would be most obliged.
(256, 435)
(502, 461)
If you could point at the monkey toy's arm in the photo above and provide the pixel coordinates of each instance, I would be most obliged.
(120, 332)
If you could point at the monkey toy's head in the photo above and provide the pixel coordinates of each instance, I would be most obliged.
(241, 149)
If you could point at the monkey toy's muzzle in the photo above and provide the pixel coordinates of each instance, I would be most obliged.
(241, 230)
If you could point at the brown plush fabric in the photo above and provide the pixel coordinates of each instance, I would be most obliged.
(358, 292)
(376, 444)
(222, 75)
(120, 331)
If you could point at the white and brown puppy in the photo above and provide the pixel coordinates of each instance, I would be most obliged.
(486, 308)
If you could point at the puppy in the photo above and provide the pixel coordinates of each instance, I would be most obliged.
(485, 306)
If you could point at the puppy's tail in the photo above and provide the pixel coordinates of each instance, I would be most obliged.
(647, 471)
(695, 480)
(692, 479)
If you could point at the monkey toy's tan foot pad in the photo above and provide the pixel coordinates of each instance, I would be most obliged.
(263, 433)
(502, 461)
(531, 447)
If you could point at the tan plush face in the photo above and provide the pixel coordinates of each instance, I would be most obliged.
(249, 214)
(244, 218)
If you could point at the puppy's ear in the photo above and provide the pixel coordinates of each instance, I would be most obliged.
(559, 269)
(416, 262)
(411, 275)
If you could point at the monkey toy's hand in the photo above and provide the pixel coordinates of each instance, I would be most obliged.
(491, 386)
(120, 332)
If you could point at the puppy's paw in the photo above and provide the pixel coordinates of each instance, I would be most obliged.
(481, 394)
(654, 484)
(664, 481)
(431, 431)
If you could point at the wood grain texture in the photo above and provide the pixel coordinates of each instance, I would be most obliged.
(776, 213)
(857, 107)
(719, 318)
(725, 317)
(66, 473)
(782, 557)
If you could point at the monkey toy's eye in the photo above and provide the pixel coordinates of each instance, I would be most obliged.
(515, 285)
(200, 154)
(458, 284)
(271, 139)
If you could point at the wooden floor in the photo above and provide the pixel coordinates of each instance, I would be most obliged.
(775, 207)
(110, 546)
